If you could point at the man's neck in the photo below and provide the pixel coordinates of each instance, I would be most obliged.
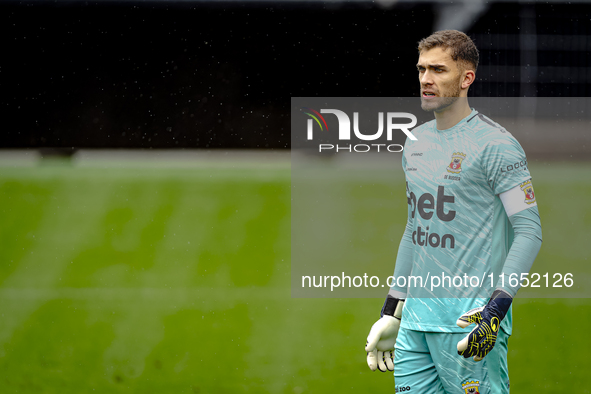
(453, 114)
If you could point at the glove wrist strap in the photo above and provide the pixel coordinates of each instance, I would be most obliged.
(499, 303)
(392, 307)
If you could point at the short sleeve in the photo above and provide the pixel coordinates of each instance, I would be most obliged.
(505, 164)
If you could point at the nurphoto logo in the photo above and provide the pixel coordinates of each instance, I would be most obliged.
(392, 120)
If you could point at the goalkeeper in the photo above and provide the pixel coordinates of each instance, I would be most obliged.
(471, 211)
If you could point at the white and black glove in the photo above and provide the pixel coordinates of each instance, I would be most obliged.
(382, 336)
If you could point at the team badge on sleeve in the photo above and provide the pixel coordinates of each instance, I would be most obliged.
(455, 166)
(471, 386)
(528, 189)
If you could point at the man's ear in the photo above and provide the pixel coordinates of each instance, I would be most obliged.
(469, 78)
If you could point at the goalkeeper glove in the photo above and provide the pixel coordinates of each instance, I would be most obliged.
(382, 336)
(482, 338)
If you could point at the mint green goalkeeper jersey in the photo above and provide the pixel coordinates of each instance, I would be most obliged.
(457, 223)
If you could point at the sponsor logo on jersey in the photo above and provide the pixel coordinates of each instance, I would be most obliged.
(427, 206)
(515, 166)
(455, 166)
(528, 189)
(471, 386)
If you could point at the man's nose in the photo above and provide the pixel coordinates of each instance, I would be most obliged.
(426, 78)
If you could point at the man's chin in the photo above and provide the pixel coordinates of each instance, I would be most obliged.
(428, 105)
(437, 104)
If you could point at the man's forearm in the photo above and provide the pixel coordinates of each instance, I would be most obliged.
(526, 245)
(403, 262)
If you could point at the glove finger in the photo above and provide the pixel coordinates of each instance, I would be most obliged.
(372, 340)
(472, 350)
(465, 320)
(472, 316)
(463, 344)
(389, 360)
(381, 365)
(372, 360)
(483, 349)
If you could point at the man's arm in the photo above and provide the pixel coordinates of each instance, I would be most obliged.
(403, 265)
(527, 242)
(514, 187)
(382, 336)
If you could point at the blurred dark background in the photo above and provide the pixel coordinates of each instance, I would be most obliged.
(221, 74)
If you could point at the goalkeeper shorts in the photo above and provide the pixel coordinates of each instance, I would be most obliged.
(428, 363)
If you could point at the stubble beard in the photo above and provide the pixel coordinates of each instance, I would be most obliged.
(439, 104)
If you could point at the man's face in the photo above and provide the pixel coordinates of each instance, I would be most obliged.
(440, 79)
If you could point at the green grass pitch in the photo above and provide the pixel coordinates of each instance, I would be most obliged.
(176, 280)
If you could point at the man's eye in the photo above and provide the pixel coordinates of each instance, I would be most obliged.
(438, 70)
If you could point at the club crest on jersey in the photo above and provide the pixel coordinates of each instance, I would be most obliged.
(455, 166)
(528, 189)
(471, 386)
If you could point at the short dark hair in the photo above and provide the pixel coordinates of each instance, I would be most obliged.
(461, 47)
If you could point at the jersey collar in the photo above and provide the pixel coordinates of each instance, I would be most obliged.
(458, 125)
